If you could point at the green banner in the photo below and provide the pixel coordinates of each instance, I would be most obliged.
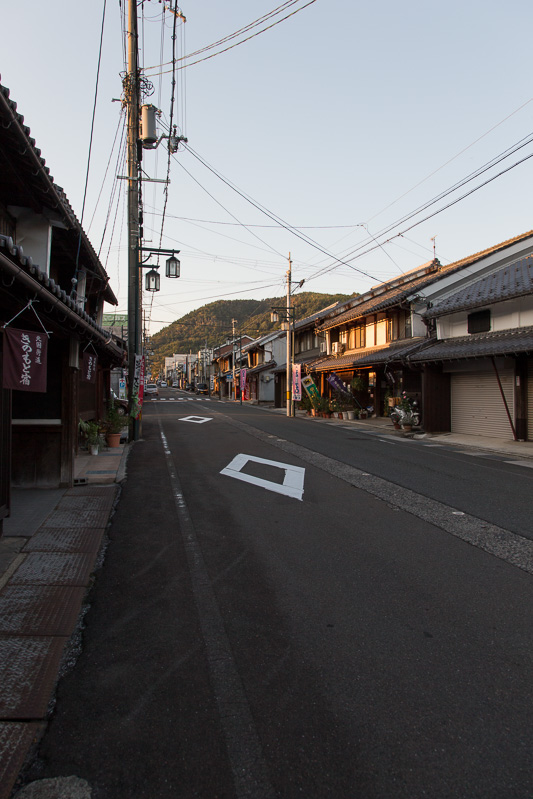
(312, 391)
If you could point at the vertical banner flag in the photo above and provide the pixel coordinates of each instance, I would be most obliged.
(336, 383)
(89, 362)
(122, 388)
(138, 381)
(297, 381)
(312, 391)
(243, 379)
(25, 358)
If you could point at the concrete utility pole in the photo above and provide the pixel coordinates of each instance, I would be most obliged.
(132, 96)
(289, 364)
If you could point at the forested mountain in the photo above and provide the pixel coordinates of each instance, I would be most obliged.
(211, 324)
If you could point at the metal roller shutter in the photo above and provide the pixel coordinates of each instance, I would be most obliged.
(477, 404)
(530, 402)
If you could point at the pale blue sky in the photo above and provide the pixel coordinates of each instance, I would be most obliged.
(330, 120)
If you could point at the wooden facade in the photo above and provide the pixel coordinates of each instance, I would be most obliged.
(50, 280)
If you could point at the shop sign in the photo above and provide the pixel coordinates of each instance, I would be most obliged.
(88, 367)
(25, 360)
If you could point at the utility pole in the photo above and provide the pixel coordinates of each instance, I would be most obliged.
(289, 364)
(132, 97)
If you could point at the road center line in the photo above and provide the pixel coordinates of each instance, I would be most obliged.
(245, 754)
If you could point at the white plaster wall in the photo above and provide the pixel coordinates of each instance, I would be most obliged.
(504, 316)
(34, 234)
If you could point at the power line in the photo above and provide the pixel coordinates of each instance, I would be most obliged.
(226, 49)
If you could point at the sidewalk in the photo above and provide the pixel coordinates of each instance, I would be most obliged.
(48, 553)
(518, 450)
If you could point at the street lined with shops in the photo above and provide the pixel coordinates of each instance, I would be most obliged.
(248, 638)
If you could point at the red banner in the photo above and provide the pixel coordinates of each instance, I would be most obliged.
(89, 363)
(25, 357)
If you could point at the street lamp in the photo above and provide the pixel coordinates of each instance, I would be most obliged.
(153, 281)
(172, 266)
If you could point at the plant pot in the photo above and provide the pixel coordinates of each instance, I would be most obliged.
(407, 428)
(350, 415)
(113, 439)
(93, 449)
(397, 426)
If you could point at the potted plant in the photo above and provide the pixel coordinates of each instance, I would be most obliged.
(324, 407)
(113, 425)
(92, 435)
(408, 420)
(395, 418)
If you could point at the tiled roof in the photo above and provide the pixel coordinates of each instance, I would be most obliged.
(394, 291)
(385, 300)
(478, 345)
(32, 175)
(254, 370)
(14, 254)
(370, 356)
(302, 323)
(514, 280)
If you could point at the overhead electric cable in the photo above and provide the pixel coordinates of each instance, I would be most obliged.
(272, 216)
(430, 216)
(172, 100)
(226, 210)
(449, 161)
(226, 49)
(121, 120)
(472, 176)
(230, 36)
(90, 144)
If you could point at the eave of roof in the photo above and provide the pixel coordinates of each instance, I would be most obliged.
(13, 262)
(512, 281)
(477, 345)
(370, 356)
(254, 370)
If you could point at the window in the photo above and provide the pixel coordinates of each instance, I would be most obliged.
(356, 339)
(479, 322)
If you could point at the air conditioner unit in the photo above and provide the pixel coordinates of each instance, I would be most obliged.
(337, 348)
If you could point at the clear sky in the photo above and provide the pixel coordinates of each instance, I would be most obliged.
(340, 121)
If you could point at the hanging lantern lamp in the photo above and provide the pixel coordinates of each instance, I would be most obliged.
(153, 280)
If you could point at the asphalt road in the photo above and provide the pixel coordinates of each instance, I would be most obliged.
(248, 640)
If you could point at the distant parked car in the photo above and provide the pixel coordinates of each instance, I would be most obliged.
(163, 383)
(189, 387)
(202, 388)
(151, 388)
(175, 384)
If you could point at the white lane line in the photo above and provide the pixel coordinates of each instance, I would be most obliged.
(293, 482)
(196, 419)
(248, 766)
